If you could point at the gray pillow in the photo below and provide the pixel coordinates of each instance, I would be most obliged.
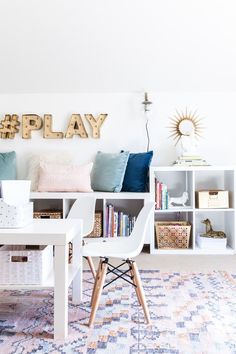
(108, 171)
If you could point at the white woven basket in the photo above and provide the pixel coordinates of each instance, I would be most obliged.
(22, 266)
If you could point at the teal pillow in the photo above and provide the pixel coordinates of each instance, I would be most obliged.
(8, 165)
(108, 171)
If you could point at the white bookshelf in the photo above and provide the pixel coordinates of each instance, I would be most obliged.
(191, 179)
(130, 203)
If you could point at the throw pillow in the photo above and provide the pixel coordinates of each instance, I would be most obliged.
(60, 158)
(108, 171)
(64, 178)
(7, 165)
(136, 174)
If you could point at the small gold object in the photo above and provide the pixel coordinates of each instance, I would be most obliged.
(210, 232)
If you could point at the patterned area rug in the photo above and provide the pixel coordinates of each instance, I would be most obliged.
(191, 313)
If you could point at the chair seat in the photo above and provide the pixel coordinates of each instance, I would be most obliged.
(116, 248)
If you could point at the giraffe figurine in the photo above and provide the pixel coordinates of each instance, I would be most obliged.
(210, 232)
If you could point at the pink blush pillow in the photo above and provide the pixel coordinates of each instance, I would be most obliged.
(64, 178)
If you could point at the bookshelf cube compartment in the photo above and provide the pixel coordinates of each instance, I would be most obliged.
(49, 204)
(216, 180)
(120, 216)
(220, 221)
(168, 218)
(177, 183)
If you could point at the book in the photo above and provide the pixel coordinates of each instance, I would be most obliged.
(190, 157)
(191, 162)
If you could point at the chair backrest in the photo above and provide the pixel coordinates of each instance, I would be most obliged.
(84, 208)
(136, 240)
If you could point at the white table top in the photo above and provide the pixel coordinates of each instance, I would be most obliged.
(43, 232)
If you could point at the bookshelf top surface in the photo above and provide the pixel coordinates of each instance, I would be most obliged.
(98, 195)
(192, 168)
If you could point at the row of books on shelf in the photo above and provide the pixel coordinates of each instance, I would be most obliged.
(161, 195)
(118, 223)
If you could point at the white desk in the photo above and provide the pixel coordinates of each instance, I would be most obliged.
(58, 233)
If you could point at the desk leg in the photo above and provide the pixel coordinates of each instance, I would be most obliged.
(77, 293)
(61, 292)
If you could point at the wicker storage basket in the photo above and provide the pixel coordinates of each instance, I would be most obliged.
(97, 230)
(172, 234)
(48, 214)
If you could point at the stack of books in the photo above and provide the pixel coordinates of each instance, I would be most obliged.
(118, 223)
(161, 195)
(190, 160)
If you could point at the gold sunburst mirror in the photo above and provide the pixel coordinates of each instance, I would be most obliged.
(185, 124)
(186, 127)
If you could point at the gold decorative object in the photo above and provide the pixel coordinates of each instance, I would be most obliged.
(30, 122)
(210, 232)
(9, 126)
(76, 127)
(47, 129)
(96, 123)
(185, 124)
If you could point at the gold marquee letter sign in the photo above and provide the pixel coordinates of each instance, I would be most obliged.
(47, 129)
(30, 122)
(9, 126)
(76, 127)
(96, 123)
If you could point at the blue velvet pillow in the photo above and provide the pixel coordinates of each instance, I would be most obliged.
(136, 174)
(7, 165)
(108, 171)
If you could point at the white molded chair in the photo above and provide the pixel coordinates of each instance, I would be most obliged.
(125, 248)
(84, 208)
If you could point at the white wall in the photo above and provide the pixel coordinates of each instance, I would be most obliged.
(168, 47)
(125, 125)
(117, 46)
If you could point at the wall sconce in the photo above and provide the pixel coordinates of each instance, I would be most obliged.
(147, 105)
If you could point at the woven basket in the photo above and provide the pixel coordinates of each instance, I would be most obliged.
(172, 234)
(97, 230)
(48, 214)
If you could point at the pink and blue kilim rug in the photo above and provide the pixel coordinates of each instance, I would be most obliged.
(190, 312)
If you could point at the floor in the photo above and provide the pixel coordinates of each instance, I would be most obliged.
(191, 263)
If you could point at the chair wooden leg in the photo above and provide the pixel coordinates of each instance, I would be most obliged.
(140, 290)
(96, 280)
(91, 266)
(98, 292)
(136, 288)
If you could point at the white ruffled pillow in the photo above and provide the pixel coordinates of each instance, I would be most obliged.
(64, 178)
(50, 157)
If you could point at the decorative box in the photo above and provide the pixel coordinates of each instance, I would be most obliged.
(210, 242)
(20, 265)
(15, 216)
(212, 199)
(172, 234)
